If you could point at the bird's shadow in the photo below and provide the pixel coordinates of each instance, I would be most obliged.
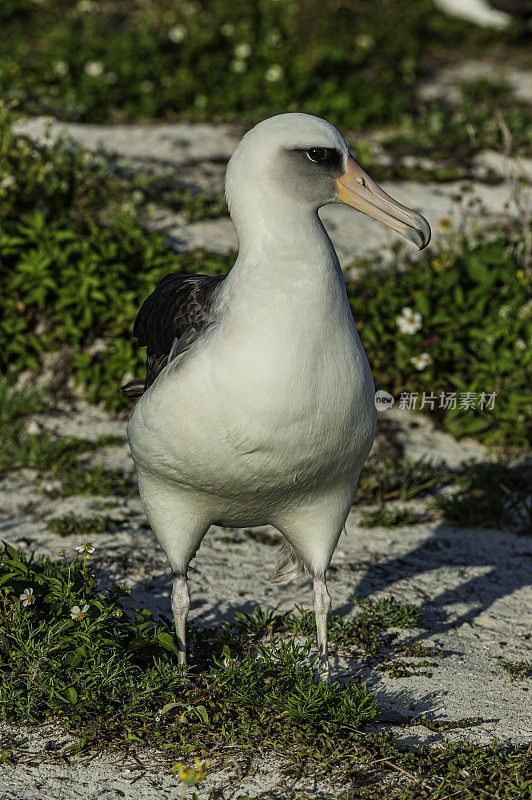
(502, 554)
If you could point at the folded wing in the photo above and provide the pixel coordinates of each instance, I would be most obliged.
(169, 320)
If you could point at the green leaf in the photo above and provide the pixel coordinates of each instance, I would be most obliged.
(168, 707)
(201, 711)
(477, 270)
(71, 695)
(166, 641)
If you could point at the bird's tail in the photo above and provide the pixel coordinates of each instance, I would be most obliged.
(133, 389)
(289, 567)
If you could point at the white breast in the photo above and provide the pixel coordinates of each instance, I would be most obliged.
(272, 398)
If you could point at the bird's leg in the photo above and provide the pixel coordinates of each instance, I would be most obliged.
(180, 607)
(322, 606)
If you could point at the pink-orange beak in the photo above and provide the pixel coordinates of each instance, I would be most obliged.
(357, 189)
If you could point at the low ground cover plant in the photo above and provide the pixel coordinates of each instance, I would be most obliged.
(85, 653)
(70, 524)
(491, 494)
(517, 670)
(70, 653)
(389, 517)
(449, 334)
(352, 63)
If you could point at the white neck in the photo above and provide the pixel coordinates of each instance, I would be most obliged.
(283, 248)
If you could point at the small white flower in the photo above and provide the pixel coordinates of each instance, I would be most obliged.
(238, 66)
(177, 34)
(7, 182)
(243, 50)
(157, 717)
(227, 29)
(422, 361)
(192, 8)
(409, 321)
(274, 73)
(27, 597)
(525, 311)
(520, 344)
(85, 547)
(60, 68)
(93, 68)
(78, 613)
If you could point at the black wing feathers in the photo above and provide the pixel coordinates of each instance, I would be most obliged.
(178, 304)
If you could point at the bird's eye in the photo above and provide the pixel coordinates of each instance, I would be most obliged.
(318, 154)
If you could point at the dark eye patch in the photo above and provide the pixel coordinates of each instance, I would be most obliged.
(295, 170)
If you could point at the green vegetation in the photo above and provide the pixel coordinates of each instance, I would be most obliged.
(387, 612)
(44, 453)
(66, 183)
(439, 725)
(389, 517)
(406, 669)
(85, 655)
(517, 670)
(16, 404)
(417, 650)
(39, 451)
(75, 264)
(69, 653)
(95, 480)
(465, 359)
(456, 133)
(353, 64)
(70, 524)
(493, 495)
(400, 479)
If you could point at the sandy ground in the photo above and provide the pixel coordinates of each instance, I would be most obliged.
(473, 586)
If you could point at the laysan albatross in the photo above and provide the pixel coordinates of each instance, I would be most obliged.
(259, 405)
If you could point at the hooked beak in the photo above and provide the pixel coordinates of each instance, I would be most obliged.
(357, 189)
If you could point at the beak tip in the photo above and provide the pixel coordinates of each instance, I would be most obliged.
(423, 230)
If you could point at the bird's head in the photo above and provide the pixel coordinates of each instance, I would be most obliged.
(300, 161)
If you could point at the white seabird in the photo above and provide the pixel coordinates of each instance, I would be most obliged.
(259, 403)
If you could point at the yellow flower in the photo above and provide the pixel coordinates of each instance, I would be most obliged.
(190, 775)
(520, 274)
(86, 548)
(444, 225)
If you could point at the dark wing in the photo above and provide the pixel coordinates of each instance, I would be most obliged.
(174, 314)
